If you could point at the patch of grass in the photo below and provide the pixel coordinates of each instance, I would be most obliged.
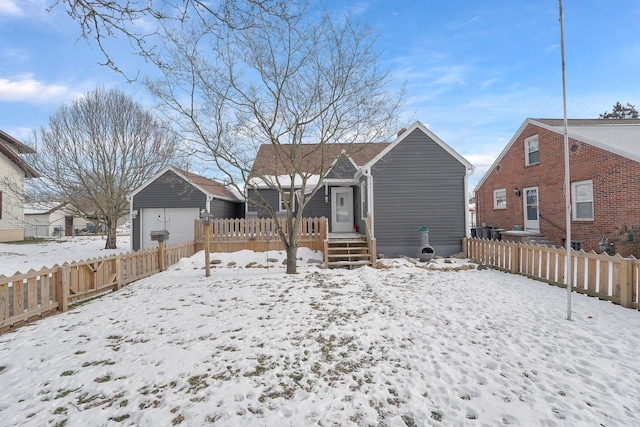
(61, 423)
(98, 362)
(197, 383)
(67, 373)
(2, 368)
(103, 379)
(114, 337)
(409, 421)
(85, 398)
(436, 415)
(60, 410)
(79, 352)
(63, 393)
(119, 419)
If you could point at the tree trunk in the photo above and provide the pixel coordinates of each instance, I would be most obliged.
(292, 255)
(291, 245)
(111, 235)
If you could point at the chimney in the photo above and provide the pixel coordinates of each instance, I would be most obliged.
(401, 131)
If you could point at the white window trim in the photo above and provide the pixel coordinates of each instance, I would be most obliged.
(281, 207)
(363, 201)
(527, 152)
(574, 201)
(495, 199)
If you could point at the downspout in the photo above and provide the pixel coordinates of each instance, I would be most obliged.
(370, 211)
(130, 199)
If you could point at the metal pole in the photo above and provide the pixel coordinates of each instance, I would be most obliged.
(567, 181)
(207, 249)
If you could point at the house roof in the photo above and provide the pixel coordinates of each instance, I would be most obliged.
(42, 208)
(11, 147)
(212, 187)
(619, 136)
(318, 159)
(208, 186)
(311, 158)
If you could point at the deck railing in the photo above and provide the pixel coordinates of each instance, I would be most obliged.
(607, 277)
(28, 296)
(258, 234)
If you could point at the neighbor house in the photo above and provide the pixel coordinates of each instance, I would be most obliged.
(52, 219)
(13, 172)
(415, 181)
(172, 201)
(524, 188)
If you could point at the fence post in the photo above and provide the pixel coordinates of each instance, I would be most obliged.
(62, 277)
(161, 256)
(626, 291)
(515, 257)
(119, 272)
(465, 251)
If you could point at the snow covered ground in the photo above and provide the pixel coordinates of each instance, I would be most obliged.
(25, 256)
(252, 346)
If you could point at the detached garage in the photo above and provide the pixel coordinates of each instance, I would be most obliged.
(172, 201)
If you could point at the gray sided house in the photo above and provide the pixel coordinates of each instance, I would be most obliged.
(172, 201)
(415, 181)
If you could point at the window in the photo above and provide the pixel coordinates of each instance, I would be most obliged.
(282, 198)
(582, 196)
(363, 201)
(531, 151)
(500, 198)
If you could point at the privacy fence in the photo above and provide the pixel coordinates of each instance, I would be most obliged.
(607, 277)
(28, 296)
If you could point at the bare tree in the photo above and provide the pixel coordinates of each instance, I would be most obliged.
(238, 74)
(299, 82)
(102, 20)
(97, 149)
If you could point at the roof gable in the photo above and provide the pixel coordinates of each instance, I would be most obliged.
(209, 187)
(419, 126)
(619, 136)
(11, 147)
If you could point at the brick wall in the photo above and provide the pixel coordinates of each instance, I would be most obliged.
(616, 190)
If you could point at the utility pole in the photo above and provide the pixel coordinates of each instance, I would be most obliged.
(567, 180)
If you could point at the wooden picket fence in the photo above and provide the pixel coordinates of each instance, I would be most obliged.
(258, 234)
(611, 278)
(25, 297)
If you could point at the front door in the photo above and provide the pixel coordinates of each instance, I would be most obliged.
(531, 220)
(341, 209)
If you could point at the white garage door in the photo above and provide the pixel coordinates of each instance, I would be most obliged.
(179, 222)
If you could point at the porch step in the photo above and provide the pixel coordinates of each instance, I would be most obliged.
(347, 252)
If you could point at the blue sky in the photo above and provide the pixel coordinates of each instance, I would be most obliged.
(475, 70)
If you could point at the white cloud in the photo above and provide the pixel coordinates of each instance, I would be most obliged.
(10, 8)
(26, 88)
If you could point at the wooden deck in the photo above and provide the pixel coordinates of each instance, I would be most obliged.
(261, 235)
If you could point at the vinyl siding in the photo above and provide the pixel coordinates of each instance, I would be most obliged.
(418, 184)
(343, 169)
(171, 191)
(316, 207)
(12, 215)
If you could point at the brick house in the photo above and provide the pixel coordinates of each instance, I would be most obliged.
(524, 188)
